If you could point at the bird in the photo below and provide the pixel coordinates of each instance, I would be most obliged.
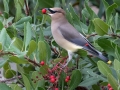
(67, 37)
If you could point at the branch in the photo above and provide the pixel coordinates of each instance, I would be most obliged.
(91, 35)
(13, 54)
(27, 8)
(11, 79)
(31, 61)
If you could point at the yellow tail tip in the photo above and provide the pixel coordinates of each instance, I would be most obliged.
(109, 62)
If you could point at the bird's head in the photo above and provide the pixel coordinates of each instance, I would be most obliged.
(55, 13)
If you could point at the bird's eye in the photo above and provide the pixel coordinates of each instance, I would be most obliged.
(52, 10)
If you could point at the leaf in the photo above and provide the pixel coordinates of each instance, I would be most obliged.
(2, 62)
(117, 53)
(82, 53)
(17, 60)
(44, 70)
(106, 5)
(32, 47)
(9, 73)
(27, 34)
(117, 2)
(3, 86)
(109, 11)
(112, 81)
(24, 19)
(42, 48)
(6, 7)
(18, 43)
(3, 37)
(35, 75)
(26, 82)
(87, 82)
(17, 87)
(18, 10)
(91, 12)
(75, 79)
(107, 45)
(116, 65)
(46, 3)
(103, 68)
(101, 27)
(1, 25)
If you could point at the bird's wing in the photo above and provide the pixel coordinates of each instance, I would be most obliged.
(72, 35)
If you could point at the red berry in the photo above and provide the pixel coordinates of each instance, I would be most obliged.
(52, 76)
(68, 77)
(52, 80)
(56, 89)
(36, 76)
(44, 11)
(109, 86)
(66, 80)
(42, 63)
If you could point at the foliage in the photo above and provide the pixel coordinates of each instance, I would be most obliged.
(26, 40)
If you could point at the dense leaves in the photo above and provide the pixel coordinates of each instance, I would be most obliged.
(26, 41)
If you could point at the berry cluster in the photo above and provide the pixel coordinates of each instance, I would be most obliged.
(109, 87)
(54, 73)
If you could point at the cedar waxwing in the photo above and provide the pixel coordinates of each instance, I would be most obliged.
(68, 37)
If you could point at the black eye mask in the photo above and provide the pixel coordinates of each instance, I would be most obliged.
(52, 10)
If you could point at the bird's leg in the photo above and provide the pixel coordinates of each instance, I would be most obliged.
(70, 54)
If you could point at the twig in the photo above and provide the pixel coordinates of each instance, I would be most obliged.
(27, 8)
(91, 35)
(11, 79)
(13, 54)
(31, 61)
(115, 35)
(55, 51)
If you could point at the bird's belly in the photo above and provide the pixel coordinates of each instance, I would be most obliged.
(67, 45)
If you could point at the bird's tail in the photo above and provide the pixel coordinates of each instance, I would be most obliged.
(101, 56)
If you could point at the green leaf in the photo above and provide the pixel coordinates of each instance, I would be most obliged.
(103, 68)
(112, 81)
(3, 37)
(26, 82)
(44, 70)
(1, 25)
(6, 7)
(91, 12)
(109, 11)
(42, 48)
(21, 2)
(116, 65)
(18, 10)
(24, 19)
(107, 45)
(3, 86)
(6, 66)
(75, 79)
(32, 47)
(46, 3)
(38, 82)
(95, 87)
(101, 27)
(106, 5)
(17, 87)
(117, 53)
(18, 43)
(2, 62)
(87, 82)
(82, 53)
(117, 2)
(9, 73)
(27, 34)
(17, 60)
